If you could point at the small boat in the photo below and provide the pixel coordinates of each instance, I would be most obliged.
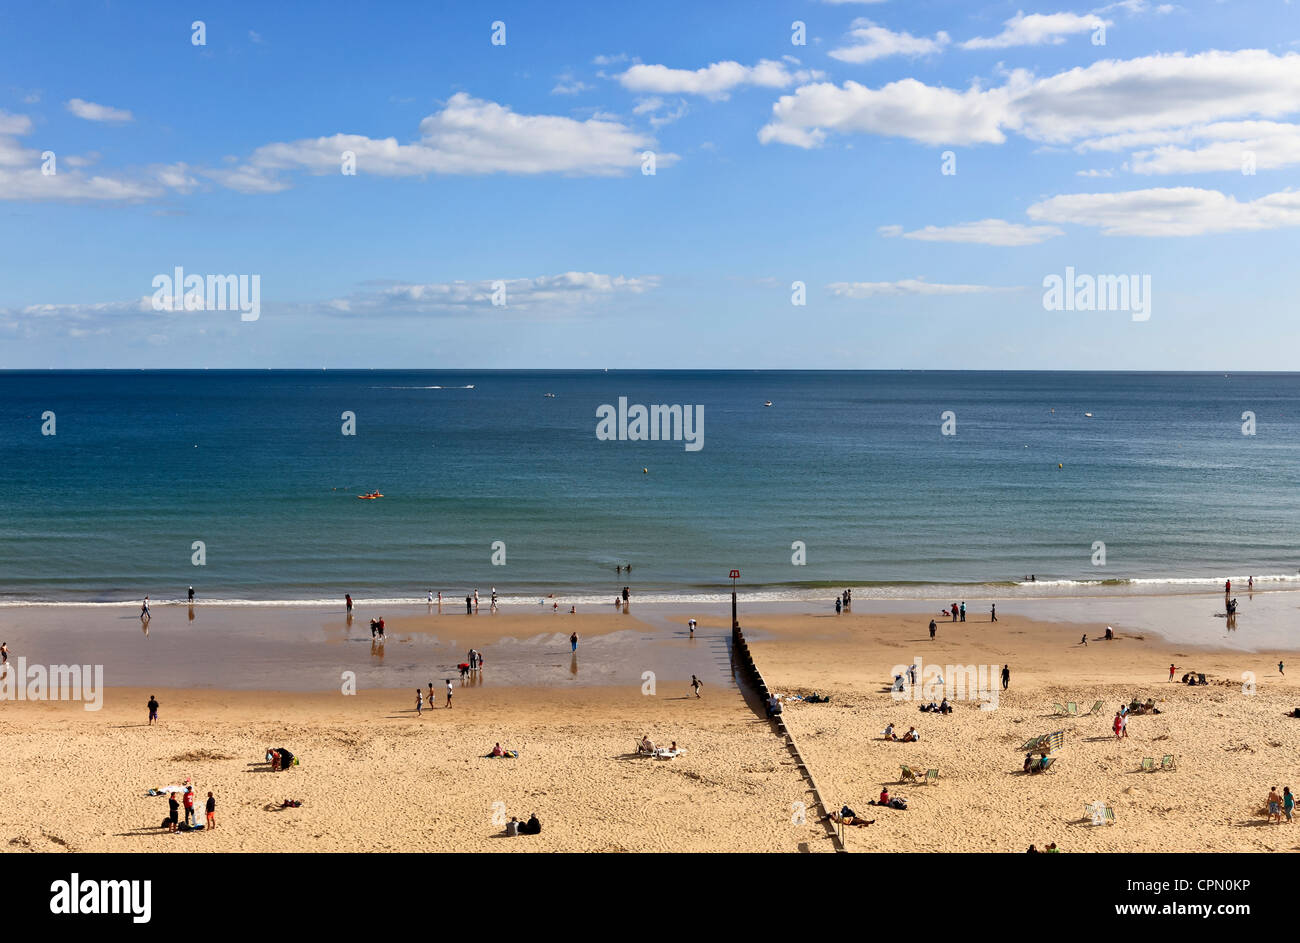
(768, 403)
(549, 395)
(370, 497)
(1089, 415)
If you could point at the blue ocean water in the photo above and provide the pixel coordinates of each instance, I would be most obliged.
(853, 464)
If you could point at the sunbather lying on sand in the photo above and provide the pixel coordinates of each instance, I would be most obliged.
(847, 816)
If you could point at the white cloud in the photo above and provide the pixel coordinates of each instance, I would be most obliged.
(1108, 97)
(567, 84)
(1037, 29)
(1093, 172)
(14, 124)
(907, 286)
(1171, 211)
(545, 292)
(468, 136)
(715, 81)
(92, 112)
(871, 42)
(1219, 146)
(986, 232)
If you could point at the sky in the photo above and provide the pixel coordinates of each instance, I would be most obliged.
(914, 172)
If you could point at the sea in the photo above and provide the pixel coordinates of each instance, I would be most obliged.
(902, 485)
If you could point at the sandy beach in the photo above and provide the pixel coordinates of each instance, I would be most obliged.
(375, 776)
(1229, 745)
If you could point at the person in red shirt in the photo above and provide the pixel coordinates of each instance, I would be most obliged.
(884, 796)
(189, 807)
(1172, 669)
(1119, 725)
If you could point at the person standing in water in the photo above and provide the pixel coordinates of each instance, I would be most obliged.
(347, 599)
(144, 610)
(191, 594)
(963, 610)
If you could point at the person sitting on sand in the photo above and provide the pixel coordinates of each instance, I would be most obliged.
(532, 826)
(274, 757)
(497, 751)
(912, 736)
(1029, 762)
(512, 827)
(773, 706)
(945, 707)
(647, 745)
(884, 796)
(888, 732)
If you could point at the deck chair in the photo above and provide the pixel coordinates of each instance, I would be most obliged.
(642, 751)
(1054, 741)
(1060, 710)
(1110, 815)
(931, 776)
(1167, 762)
(1031, 746)
(1148, 764)
(908, 776)
(1096, 709)
(1048, 762)
(1072, 709)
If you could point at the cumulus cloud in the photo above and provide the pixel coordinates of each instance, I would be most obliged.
(468, 136)
(92, 112)
(907, 286)
(985, 232)
(715, 81)
(1170, 211)
(1038, 29)
(1223, 145)
(871, 42)
(1108, 97)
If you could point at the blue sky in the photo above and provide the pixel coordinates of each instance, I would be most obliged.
(820, 163)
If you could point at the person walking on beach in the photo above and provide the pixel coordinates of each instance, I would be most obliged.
(430, 597)
(476, 600)
(432, 702)
(690, 624)
(210, 807)
(963, 610)
(449, 693)
(347, 601)
(4, 652)
(573, 642)
(954, 612)
(469, 606)
(1172, 669)
(837, 605)
(144, 610)
(1250, 584)
(419, 702)
(1274, 805)
(153, 710)
(993, 613)
(1006, 676)
(696, 684)
(1288, 804)
(1118, 725)
(932, 628)
(1280, 666)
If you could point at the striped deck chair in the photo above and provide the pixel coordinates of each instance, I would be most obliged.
(1148, 764)
(1096, 709)
(1167, 762)
(1110, 815)
(908, 776)
(1055, 741)
(931, 776)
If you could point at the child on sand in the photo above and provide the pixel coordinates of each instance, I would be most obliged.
(1274, 805)
(211, 809)
(696, 684)
(419, 702)
(153, 710)
(449, 692)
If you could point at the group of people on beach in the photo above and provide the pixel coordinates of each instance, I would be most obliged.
(420, 698)
(844, 601)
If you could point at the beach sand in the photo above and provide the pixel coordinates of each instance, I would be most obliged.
(375, 777)
(1230, 746)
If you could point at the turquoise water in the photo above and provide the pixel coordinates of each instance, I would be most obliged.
(254, 465)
